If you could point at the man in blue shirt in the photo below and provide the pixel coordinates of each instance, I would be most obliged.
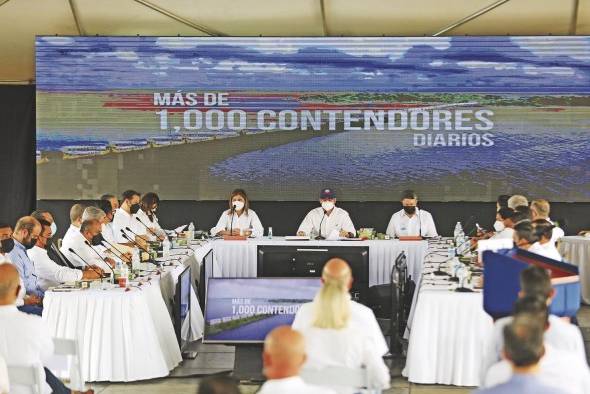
(25, 235)
(523, 349)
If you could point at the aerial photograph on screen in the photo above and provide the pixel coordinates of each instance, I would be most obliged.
(455, 118)
(245, 310)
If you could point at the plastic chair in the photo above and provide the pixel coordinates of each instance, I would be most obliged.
(72, 371)
(355, 378)
(30, 376)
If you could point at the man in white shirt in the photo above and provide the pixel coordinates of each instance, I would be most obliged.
(24, 338)
(124, 220)
(112, 200)
(535, 285)
(50, 273)
(540, 209)
(360, 315)
(282, 359)
(328, 221)
(4, 383)
(503, 225)
(75, 221)
(411, 221)
(82, 254)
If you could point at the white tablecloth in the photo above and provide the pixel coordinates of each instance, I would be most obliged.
(576, 250)
(448, 332)
(239, 258)
(123, 336)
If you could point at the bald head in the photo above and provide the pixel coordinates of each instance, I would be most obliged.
(336, 268)
(27, 230)
(9, 284)
(284, 353)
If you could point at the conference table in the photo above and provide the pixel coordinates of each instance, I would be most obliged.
(127, 334)
(576, 250)
(448, 330)
(238, 259)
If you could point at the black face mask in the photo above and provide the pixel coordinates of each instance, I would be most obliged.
(134, 208)
(7, 245)
(49, 242)
(410, 210)
(30, 244)
(97, 240)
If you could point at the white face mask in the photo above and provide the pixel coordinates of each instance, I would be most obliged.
(327, 205)
(239, 205)
(498, 226)
(53, 228)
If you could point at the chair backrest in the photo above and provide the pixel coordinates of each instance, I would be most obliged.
(355, 378)
(30, 376)
(70, 367)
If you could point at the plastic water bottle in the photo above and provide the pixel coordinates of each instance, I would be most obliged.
(270, 233)
(135, 259)
(458, 229)
(191, 231)
(166, 248)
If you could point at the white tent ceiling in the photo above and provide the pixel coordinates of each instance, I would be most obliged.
(22, 20)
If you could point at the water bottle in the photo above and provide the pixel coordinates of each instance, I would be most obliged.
(191, 231)
(457, 230)
(270, 233)
(135, 259)
(117, 270)
(166, 248)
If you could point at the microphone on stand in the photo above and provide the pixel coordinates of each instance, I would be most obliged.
(139, 247)
(86, 263)
(321, 221)
(134, 233)
(149, 229)
(100, 257)
(112, 246)
(231, 223)
(119, 254)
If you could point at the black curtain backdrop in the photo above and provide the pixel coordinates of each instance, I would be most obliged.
(17, 152)
(18, 194)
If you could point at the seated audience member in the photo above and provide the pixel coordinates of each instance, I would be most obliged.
(76, 213)
(525, 236)
(50, 273)
(25, 235)
(52, 250)
(242, 220)
(4, 383)
(112, 200)
(502, 201)
(147, 214)
(124, 220)
(411, 221)
(107, 223)
(218, 385)
(6, 246)
(360, 315)
(557, 368)
(545, 246)
(522, 213)
(24, 339)
(282, 359)
(521, 372)
(115, 249)
(517, 200)
(333, 339)
(329, 221)
(540, 210)
(504, 225)
(83, 250)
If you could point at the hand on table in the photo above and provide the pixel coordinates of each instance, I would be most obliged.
(110, 261)
(344, 233)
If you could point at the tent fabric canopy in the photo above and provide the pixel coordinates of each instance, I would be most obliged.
(22, 20)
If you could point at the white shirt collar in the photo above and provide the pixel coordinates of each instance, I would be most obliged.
(8, 308)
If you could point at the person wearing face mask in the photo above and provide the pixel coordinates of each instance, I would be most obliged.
(75, 221)
(411, 221)
(125, 218)
(329, 221)
(25, 235)
(90, 231)
(6, 246)
(147, 215)
(112, 200)
(503, 224)
(52, 250)
(239, 219)
(50, 273)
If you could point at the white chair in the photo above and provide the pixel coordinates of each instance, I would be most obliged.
(355, 378)
(71, 370)
(29, 376)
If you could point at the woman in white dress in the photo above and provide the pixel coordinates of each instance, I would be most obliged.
(239, 219)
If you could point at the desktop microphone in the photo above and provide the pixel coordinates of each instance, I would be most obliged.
(86, 263)
(149, 229)
(134, 233)
(112, 246)
(100, 257)
(140, 247)
(119, 255)
(231, 223)
(319, 237)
